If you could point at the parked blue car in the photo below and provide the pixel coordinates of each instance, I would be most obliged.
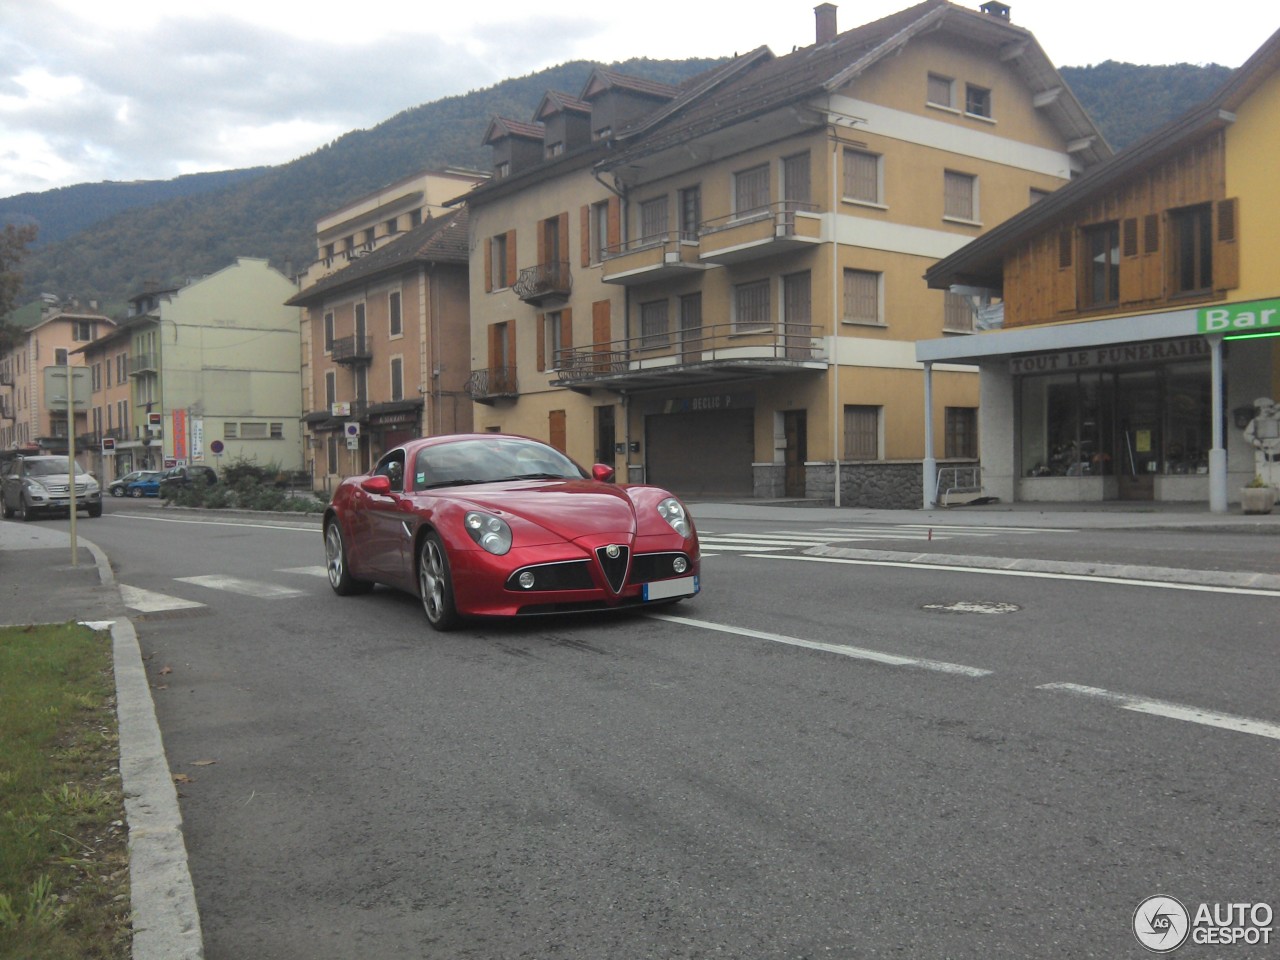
(146, 487)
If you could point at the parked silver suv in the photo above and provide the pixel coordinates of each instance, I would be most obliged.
(30, 486)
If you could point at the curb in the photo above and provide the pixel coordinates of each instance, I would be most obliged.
(166, 921)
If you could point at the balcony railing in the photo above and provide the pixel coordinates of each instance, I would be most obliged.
(763, 232)
(651, 259)
(487, 386)
(546, 281)
(353, 350)
(142, 363)
(691, 356)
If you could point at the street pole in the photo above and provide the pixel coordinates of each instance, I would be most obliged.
(71, 462)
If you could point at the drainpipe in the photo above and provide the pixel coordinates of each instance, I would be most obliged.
(930, 462)
(1217, 453)
(835, 318)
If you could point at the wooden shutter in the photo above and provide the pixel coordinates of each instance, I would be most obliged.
(584, 237)
(614, 240)
(542, 341)
(1064, 293)
(488, 266)
(601, 332)
(1226, 246)
(563, 253)
(1130, 266)
(556, 429)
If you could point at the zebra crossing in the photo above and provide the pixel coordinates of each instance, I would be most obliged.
(781, 540)
(153, 602)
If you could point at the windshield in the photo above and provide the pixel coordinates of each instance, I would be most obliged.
(485, 461)
(51, 467)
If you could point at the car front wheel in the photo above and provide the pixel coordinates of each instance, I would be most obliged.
(95, 510)
(435, 585)
(117, 492)
(335, 561)
(136, 492)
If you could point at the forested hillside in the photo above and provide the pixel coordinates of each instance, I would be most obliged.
(271, 212)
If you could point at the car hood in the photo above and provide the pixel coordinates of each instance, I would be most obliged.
(569, 509)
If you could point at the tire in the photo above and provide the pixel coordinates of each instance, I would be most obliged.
(25, 513)
(435, 584)
(335, 561)
(136, 493)
(117, 492)
(95, 510)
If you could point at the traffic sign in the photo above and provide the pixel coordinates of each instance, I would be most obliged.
(108, 446)
(351, 428)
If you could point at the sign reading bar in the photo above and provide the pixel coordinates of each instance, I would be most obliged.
(1255, 316)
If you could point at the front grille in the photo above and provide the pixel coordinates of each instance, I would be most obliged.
(614, 567)
(571, 575)
(647, 567)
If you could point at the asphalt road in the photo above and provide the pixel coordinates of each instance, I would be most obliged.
(811, 759)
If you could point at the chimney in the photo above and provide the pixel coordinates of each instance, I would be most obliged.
(995, 9)
(825, 15)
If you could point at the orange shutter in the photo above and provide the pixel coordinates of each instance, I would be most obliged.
(615, 222)
(542, 341)
(1226, 244)
(556, 429)
(601, 332)
(563, 253)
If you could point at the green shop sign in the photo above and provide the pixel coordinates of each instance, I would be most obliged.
(1256, 317)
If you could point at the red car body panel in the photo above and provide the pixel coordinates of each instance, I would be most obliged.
(553, 523)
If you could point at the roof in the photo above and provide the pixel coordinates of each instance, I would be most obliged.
(553, 101)
(760, 83)
(439, 240)
(602, 79)
(502, 127)
(981, 261)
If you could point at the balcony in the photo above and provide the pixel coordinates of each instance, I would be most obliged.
(652, 259)
(142, 363)
(355, 350)
(490, 386)
(543, 283)
(781, 227)
(691, 357)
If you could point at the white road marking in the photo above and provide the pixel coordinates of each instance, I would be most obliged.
(313, 530)
(317, 571)
(249, 588)
(1173, 711)
(1035, 574)
(857, 653)
(148, 601)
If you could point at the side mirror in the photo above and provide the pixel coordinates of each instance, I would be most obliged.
(378, 485)
(602, 472)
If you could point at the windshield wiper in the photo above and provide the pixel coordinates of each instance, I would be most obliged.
(461, 482)
(537, 476)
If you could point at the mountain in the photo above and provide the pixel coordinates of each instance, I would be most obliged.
(169, 231)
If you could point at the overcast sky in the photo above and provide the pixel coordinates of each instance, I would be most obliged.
(95, 90)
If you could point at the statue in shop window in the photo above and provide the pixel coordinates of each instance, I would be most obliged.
(1263, 432)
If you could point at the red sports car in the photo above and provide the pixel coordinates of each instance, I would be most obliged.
(489, 525)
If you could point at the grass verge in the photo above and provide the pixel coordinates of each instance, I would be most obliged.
(64, 861)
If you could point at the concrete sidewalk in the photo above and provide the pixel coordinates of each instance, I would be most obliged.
(39, 583)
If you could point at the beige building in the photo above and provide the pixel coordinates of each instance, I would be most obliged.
(50, 333)
(717, 287)
(385, 348)
(110, 417)
(214, 372)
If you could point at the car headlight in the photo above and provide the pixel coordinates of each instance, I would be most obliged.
(672, 511)
(490, 532)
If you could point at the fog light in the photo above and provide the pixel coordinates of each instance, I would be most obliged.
(680, 565)
(526, 580)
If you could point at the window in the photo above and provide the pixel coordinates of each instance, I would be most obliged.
(332, 451)
(498, 259)
(960, 196)
(653, 324)
(360, 342)
(1102, 265)
(552, 340)
(862, 297)
(83, 331)
(121, 366)
(60, 357)
(328, 333)
(95, 377)
(253, 430)
(957, 314)
(391, 226)
(599, 229)
(397, 378)
(503, 169)
(1192, 249)
(861, 433)
(751, 307)
(861, 176)
(977, 101)
(797, 299)
(277, 431)
(554, 149)
(690, 212)
(961, 433)
(653, 220)
(795, 181)
(751, 191)
(230, 430)
(330, 389)
(395, 323)
(939, 91)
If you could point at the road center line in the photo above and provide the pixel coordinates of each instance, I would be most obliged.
(857, 653)
(1040, 574)
(1173, 711)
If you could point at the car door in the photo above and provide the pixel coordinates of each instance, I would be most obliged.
(385, 535)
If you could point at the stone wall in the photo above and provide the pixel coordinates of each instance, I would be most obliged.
(878, 486)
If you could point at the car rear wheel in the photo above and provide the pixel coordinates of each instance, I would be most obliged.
(136, 492)
(435, 585)
(335, 560)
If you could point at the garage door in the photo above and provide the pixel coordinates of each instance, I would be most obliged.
(701, 454)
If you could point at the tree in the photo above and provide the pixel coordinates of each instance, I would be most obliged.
(14, 241)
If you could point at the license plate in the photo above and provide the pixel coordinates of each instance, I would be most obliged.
(666, 589)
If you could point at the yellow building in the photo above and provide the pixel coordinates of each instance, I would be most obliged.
(1136, 357)
(716, 287)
